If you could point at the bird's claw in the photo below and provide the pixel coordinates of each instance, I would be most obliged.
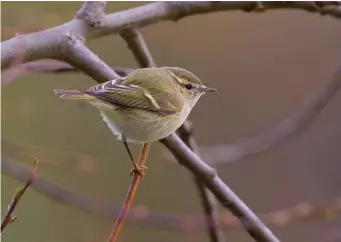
(138, 169)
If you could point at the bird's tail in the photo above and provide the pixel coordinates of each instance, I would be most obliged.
(72, 94)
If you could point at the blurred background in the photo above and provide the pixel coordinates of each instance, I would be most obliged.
(265, 66)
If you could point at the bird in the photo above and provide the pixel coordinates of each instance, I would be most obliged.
(146, 105)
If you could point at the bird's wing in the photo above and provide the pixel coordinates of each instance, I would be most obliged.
(134, 96)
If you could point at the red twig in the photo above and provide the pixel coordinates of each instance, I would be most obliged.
(130, 196)
(17, 196)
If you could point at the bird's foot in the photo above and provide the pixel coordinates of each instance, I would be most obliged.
(139, 170)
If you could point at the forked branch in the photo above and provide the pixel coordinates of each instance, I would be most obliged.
(47, 43)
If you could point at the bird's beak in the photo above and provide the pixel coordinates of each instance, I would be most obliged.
(207, 89)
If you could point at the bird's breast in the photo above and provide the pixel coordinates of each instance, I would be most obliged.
(140, 126)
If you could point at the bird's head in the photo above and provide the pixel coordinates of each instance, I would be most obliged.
(189, 84)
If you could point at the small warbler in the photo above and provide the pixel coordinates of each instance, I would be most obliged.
(146, 105)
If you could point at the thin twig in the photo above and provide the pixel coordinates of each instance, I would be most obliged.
(17, 196)
(48, 67)
(303, 211)
(131, 194)
(59, 67)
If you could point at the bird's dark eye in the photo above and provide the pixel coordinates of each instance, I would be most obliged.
(188, 86)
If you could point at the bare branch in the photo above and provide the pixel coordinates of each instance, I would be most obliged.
(303, 211)
(138, 47)
(63, 43)
(46, 43)
(288, 127)
(50, 43)
(50, 66)
(79, 56)
(222, 192)
(38, 45)
(17, 196)
(130, 196)
(161, 11)
(92, 13)
(208, 200)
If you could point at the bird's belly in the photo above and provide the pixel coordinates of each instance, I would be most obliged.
(139, 127)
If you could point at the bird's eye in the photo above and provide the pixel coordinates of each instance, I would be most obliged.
(188, 86)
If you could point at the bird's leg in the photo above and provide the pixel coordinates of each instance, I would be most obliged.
(136, 167)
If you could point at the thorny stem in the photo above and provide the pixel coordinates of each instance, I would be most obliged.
(17, 196)
(130, 196)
